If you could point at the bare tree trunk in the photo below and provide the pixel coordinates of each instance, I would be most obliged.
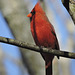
(2, 67)
(15, 13)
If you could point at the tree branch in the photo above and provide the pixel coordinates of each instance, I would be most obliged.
(66, 4)
(36, 48)
(72, 9)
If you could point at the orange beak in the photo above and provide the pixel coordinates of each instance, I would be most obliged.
(29, 15)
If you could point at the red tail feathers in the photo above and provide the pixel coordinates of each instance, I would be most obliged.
(49, 68)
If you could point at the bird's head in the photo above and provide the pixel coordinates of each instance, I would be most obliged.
(36, 9)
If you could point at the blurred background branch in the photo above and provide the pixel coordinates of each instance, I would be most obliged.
(70, 6)
(72, 9)
(66, 4)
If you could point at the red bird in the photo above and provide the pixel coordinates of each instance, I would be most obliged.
(43, 34)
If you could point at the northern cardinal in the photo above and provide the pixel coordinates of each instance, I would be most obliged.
(43, 34)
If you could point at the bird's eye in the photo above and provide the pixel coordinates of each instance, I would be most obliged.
(33, 13)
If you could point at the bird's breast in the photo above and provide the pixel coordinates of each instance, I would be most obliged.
(43, 36)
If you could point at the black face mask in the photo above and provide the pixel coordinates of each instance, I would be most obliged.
(32, 15)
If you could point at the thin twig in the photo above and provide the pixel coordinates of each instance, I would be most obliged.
(37, 48)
